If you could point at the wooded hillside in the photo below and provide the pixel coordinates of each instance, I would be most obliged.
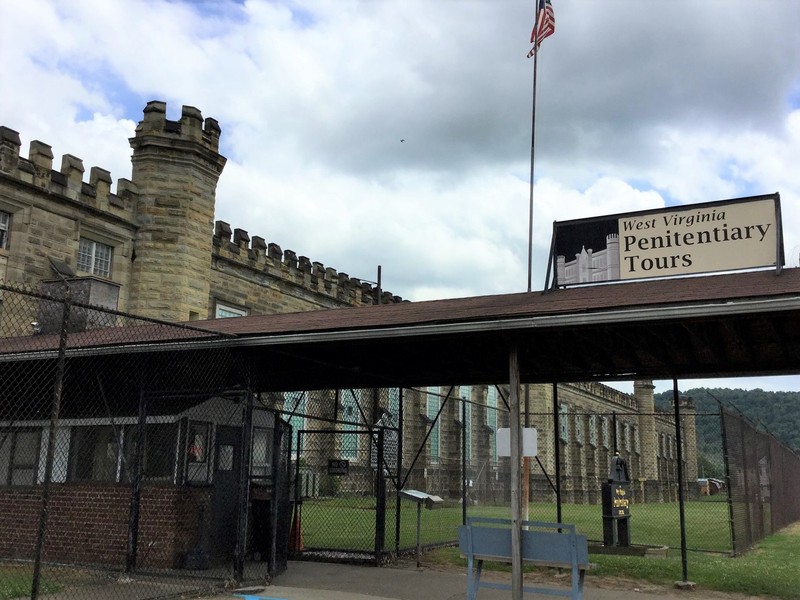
(777, 412)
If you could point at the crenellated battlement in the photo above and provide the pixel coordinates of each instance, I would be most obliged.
(157, 225)
(37, 170)
(236, 246)
(191, 126)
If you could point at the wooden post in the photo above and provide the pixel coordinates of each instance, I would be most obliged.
(516, 451)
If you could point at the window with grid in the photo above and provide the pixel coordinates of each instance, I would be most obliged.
(605, 432)
(198, 446)
(563, 425)
(593, 430)
(19, 456)
(94, 257)
(5, 225)
(261, 467)
(94, 453)
(159, 451)
(432, 410)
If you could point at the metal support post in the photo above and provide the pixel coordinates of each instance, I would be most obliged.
(55, 412)
(516, 447)
(137, 472)
(681, 499)
(244, 487)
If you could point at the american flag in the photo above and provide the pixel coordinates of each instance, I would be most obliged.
(545, 25)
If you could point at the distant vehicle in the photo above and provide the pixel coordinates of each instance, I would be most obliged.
(710, 486)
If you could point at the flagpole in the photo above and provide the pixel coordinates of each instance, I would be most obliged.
(533, 154)
(526, 461)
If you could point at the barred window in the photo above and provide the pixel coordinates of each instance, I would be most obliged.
(466, 395)
(94, 257)
(563, 424)
(491, 407)
(593, 430)
(491, 418)
(225, 311)
(578, 428)
(349, 441)
(294, 403)
(432, 410)
(5, 225)
(605, 432)
(394, 407)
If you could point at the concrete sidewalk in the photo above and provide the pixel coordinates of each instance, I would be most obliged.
(328, 581)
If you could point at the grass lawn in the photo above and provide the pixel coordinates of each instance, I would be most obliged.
(349, 523)
(770, 569)
(15, 582)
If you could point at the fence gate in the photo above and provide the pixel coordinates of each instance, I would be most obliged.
(340, 495)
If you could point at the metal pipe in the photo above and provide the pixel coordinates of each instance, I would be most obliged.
(726, 461)
(681, 499)
(136, 485)
(398, 473)
(380, 505)
(244, 486)
(55, 412)
(514, 435)
(557, 450)
(463, 461)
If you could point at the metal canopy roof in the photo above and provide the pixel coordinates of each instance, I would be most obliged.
(730, 325)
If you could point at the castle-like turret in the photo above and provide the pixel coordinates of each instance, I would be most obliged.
(176, 166)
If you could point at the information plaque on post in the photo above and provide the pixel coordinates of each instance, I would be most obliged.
(430, 501)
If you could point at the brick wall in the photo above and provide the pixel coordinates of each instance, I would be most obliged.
(88, 523)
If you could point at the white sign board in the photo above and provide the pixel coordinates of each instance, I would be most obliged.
(530, 441)
(741, 233)
(682, 242)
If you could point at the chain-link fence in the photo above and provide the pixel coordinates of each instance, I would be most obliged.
(448, 444)
(763, 476)
(135, 449)
(566, 481)
(124, 455)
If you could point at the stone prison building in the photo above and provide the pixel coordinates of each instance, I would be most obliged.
(151, 248)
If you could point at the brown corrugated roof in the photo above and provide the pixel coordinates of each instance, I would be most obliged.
(713, 326)
(618, 296)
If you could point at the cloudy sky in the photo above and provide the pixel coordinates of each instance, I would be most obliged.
(398, 133)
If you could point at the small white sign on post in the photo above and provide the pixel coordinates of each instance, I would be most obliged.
(530, 441)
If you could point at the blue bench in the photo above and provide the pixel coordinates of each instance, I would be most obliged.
(543, 545)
